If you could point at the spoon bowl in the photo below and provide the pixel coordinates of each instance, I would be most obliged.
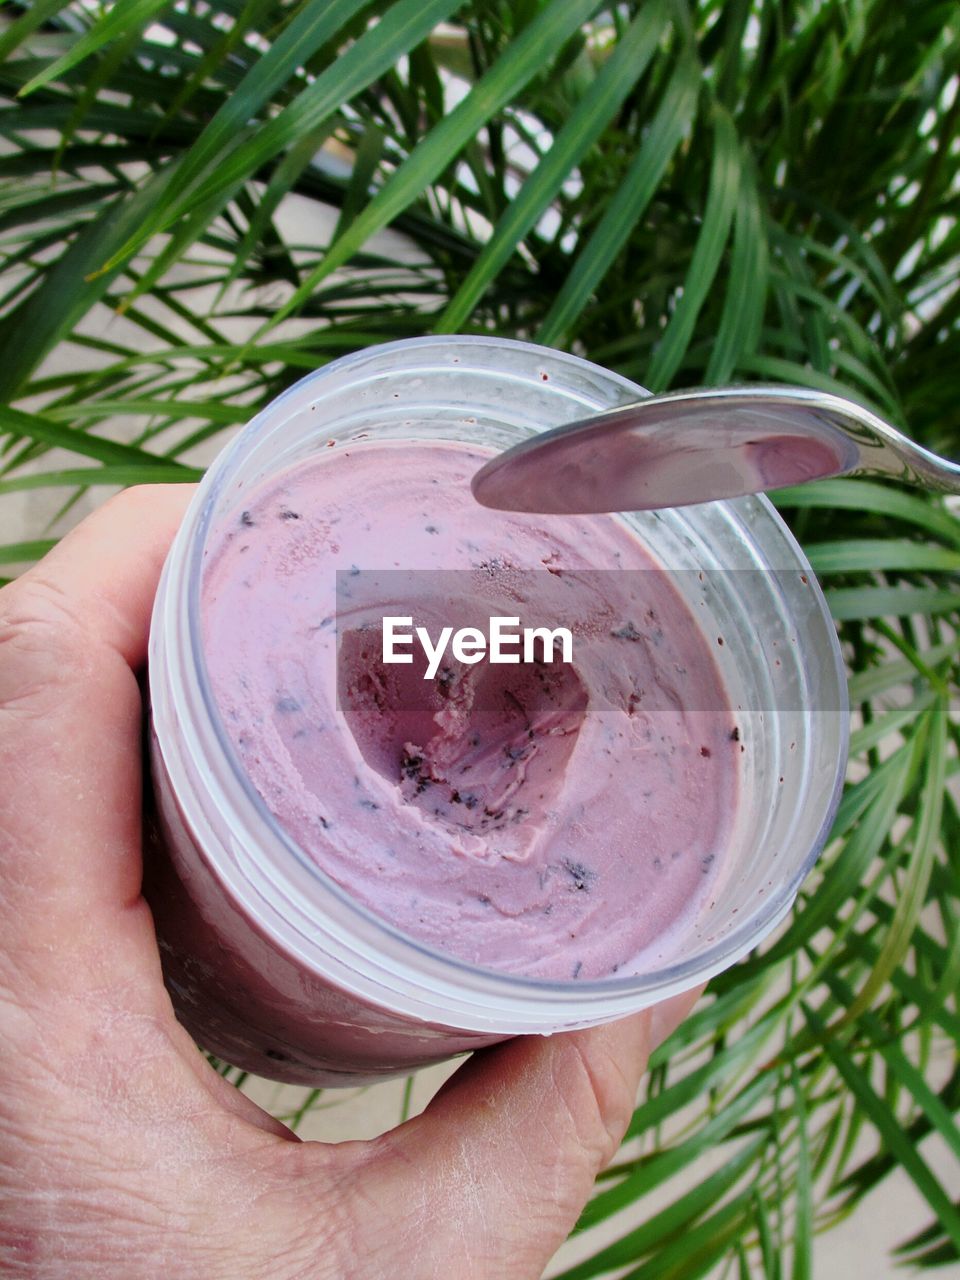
(701, 445)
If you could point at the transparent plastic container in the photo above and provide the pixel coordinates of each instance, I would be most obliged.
(270, 964)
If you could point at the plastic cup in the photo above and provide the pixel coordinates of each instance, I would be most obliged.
(270, 964)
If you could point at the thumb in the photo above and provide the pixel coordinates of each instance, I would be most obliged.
(488, 1182)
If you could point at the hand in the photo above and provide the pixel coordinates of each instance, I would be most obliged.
(122, 1153)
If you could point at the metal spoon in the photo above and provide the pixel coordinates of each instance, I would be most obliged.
(695, 446)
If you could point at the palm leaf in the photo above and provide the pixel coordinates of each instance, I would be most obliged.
(688, 193)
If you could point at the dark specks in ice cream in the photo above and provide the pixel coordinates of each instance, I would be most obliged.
(581, 876)
(493, 566)
(413, 767)
(466, 798)
(494, 786)
(626, 632)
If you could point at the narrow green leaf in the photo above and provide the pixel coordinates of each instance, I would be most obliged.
(854, 1128)
(366, 162)
(924, 1237)
(123, 17)
(309, 1102)
(717, 217)
(912, 890)
(948, 982)
(900, 1066)
(796, 282)
(38, 13)
(940, 1256)
(107, 117)
(671, 1221)
(884, 499)
(212, 410)
(769, 1254)
(849, 603)
(665, 1164)
(34, 427)
(714, 1017)
(101, 75)
(889, 1128)
(803, 1218)
(300, 155)
(743, 1260)
(66, 292)
(721, 1066)
(858, 796)
(629, 202)
(822, 296)
(191, 228)
(886, 291)
(33, 206)
(778, 369)
(109, 474)
(404, 24)
(621, 71)
(407, 1098)
(733, 19)
(525, 58)
(23, 552)
(852, 555)
(217, 58)
(879, 796)
(312, 27)
(698, 1250)
(746, 294)
(874, 732)
(868, 684)
(916, 992)
(425, 76)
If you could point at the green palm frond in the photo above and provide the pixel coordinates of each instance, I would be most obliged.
(686, 191)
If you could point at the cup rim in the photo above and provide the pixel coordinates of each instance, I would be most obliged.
(617, 994)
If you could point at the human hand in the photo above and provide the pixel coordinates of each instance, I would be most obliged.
(122, 1153)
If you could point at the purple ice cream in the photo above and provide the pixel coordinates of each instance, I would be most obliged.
(551, 819)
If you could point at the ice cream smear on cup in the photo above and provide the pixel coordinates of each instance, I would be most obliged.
(560, 819)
